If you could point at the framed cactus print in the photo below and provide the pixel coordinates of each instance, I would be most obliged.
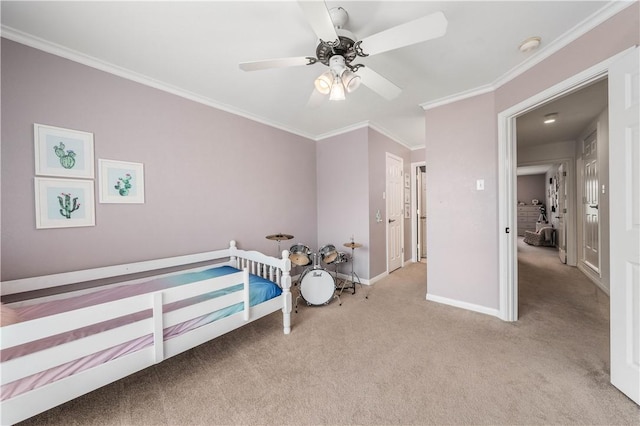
(64, 203)
(63, 152)
(121, 182)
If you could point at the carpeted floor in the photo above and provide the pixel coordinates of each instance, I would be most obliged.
(394, 358)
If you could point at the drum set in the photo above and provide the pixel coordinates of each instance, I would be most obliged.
(316, 283)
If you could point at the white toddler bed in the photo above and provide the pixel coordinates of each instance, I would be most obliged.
(69, 344)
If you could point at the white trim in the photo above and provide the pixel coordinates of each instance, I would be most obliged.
(463, 305)
(414, 208)
(458, 97)
(90, 61)
(593, 277)
(388, 134)
(597, 18)
(508, 268)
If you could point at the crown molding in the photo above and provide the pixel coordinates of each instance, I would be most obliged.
(601, 15)
(389, 135)
(342, 130)
(458, 97)
(90, 61)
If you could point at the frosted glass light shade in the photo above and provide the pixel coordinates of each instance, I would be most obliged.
(323, 83)
(337, 91)
(350, 80)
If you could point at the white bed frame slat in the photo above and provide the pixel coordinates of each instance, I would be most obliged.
(202, 308)
(45, 397)
(202, 287)
(65, 278)
(25, 405)
(48, 358)
(29, 331)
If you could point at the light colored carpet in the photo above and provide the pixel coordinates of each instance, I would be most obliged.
(394, 358)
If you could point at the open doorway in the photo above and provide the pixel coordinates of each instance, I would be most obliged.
(559, 178)
(620, 190)
(419, 212)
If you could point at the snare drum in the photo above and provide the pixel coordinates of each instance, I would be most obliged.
(317, 286)
(299, 254)
(328, 253)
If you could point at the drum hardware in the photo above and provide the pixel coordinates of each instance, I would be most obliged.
(352, 283)
(279, 237)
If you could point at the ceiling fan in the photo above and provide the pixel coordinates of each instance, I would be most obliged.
(338, 48)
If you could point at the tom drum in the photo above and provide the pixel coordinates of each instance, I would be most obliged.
(299, 254)
(328, 253)
(317, 286)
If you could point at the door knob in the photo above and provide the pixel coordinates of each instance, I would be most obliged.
(391, 220)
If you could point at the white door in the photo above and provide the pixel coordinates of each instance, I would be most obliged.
(395, 216)
(624, 199)
(561, 212)
(590, 220)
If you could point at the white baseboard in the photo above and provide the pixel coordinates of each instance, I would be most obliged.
(464, 305)
(591, 274)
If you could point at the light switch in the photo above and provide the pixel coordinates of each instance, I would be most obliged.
(480, 184)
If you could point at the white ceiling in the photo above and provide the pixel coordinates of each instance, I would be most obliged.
(194, 48)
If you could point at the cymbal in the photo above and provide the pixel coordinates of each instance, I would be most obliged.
(279, 237)
(352, 245)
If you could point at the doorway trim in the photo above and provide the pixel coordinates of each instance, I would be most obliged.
(507, 165)
(414, 209)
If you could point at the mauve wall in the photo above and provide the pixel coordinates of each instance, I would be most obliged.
(531, 187)
(456, 156)
(343, 196)
(210, 176)
(462, 222)
(379, 145)
(417, 155)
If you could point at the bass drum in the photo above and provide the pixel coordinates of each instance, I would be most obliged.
(317, 287)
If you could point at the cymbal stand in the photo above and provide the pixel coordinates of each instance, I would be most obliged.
(354, 275)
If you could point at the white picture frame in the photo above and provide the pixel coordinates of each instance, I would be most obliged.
(63, 152)
(64, 203)
(407, 180)
(407, 211)
(121, 182)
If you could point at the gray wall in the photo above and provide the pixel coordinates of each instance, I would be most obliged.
(461, 146)
(210, 176)
(343, 196)
(462, 222)
(351, 180)
(532, 187)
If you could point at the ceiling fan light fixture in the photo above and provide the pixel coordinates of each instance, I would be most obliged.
(337, 90)
(350, 80)
(323, 82)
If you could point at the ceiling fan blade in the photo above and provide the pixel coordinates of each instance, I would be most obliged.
(379, 84)
(318, 16)
(422, 29)
(275, 63)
